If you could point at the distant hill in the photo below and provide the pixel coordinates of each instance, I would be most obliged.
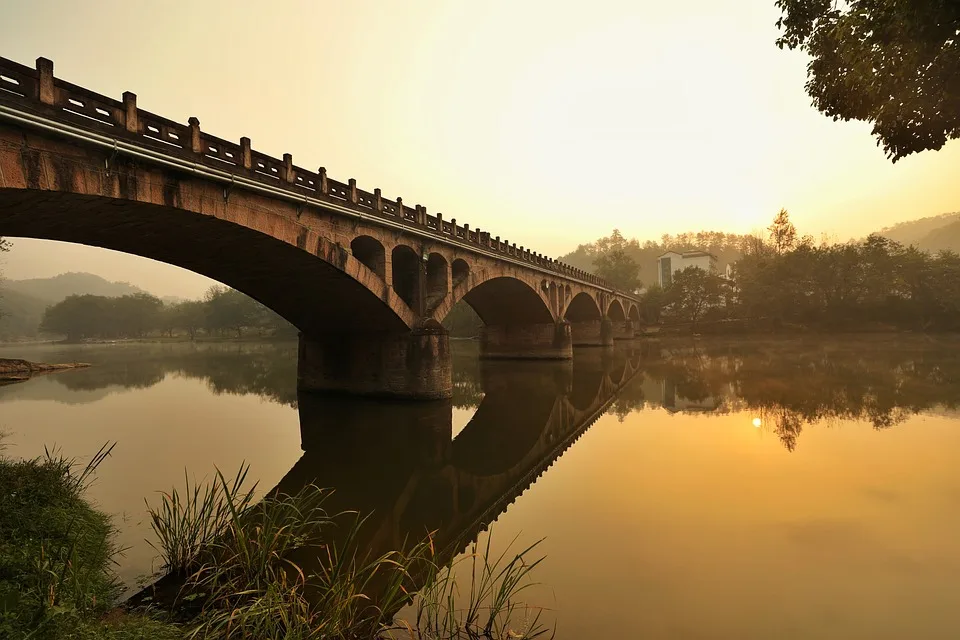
(20, 314)
(53, 290)
(931, 234)
(22, 302)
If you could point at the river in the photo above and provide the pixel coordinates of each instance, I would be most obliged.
(710, 489)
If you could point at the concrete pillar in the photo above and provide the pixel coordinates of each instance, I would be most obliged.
(414, 365)
(547, 341)
(623, 330)
(592, 333)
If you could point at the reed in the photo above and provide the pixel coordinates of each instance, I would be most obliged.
(186, 523)
(487, 607)
(286, 568)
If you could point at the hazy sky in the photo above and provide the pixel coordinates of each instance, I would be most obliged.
(548, 123)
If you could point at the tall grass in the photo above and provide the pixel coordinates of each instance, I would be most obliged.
(186, 523)
(286, 568)
(487, 607)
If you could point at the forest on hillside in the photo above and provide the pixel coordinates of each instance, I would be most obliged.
(613, 250)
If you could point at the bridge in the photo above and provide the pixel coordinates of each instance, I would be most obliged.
(367, 280)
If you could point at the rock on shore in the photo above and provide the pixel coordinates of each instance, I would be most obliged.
(15, 370)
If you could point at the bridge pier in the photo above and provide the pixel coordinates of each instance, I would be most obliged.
(623, 330)
(592, 333)
(415, 365)
(544, 341)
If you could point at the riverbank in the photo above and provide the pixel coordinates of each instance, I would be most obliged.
(56, 558)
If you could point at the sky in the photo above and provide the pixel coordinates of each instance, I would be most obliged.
(548, 123)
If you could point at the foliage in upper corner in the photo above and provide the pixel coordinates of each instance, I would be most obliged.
(893, 63)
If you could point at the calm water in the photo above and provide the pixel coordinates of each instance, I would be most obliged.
(685, 490)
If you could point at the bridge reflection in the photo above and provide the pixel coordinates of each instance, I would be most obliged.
(398, 463)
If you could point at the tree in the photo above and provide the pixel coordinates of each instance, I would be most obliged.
(783, 235)
(190, 316)
(78, 317)
(230, 309)
(893, 63)
(134, 316)
(613, 262)
(693, 291)
(619, 269)
(652, 302)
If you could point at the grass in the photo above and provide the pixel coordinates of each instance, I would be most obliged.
(57, 556)
(280, 567)
(488, 608)
(284, 567)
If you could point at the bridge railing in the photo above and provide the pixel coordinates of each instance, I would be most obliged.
(37, 90)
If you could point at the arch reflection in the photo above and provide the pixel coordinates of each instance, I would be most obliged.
(397, 463)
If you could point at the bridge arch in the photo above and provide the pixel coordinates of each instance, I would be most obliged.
(405, 270)
(370, 252)
(498, 300)
(438, 279)
(634, 312)
(273, 259)
(460, 271)
(582, 307)
(615, 311)
(505, 300)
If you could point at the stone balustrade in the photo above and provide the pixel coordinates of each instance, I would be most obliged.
(124, 120)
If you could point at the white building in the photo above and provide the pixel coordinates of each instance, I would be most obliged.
(671, 262)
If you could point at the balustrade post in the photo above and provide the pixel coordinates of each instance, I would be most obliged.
(378, 199)
(453, 227)
(131, 120)
(194, 123)
(354, 197)
(246, 154)
(439, 223)
(46, 92)
(324, 189)
(288, 168)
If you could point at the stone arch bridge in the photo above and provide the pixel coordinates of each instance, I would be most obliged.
(366, 280)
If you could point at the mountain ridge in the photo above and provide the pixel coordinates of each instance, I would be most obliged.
(55, 289)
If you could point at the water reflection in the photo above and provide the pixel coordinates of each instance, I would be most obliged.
(262, 369)
(787, 385)
(398, 463)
